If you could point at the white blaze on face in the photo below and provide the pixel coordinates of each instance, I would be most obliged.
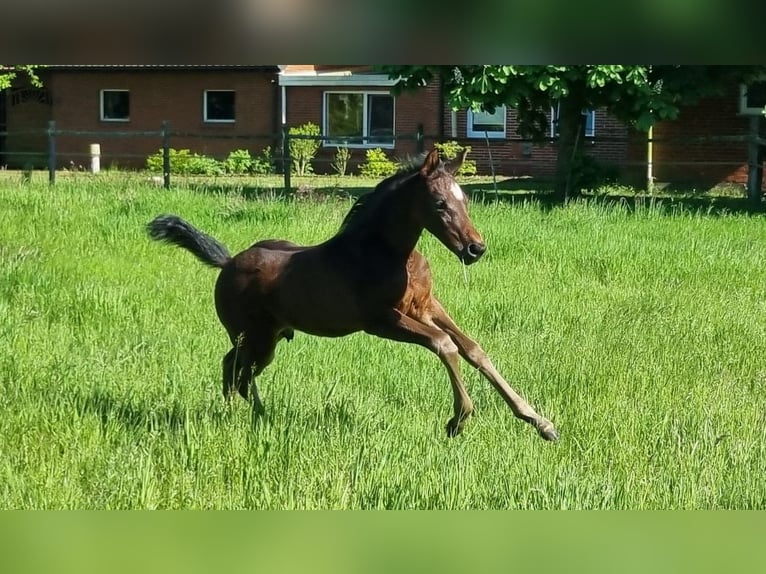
(456, 191)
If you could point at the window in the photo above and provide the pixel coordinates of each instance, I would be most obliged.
(219, 106)
(481, 124)
(365, 117)
(115, 105)
(590, 122)
(752, 98)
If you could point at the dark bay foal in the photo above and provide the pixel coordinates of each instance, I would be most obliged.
(368, 277)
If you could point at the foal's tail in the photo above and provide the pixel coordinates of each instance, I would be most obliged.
(175, 230)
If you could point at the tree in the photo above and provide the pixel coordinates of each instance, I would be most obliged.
(637, 95)
(9, 72)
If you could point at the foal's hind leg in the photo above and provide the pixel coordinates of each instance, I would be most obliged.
(400, 327)
(237, 373)
(475, 355)
(256, 352)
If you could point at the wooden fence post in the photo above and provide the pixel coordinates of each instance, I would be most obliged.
(51, 152)
(286, 159)
(165, 155)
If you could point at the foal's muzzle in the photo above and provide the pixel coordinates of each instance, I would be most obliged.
(473, 252)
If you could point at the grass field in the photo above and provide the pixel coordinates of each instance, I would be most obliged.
(639, 330)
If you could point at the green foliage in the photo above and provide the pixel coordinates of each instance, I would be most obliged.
(377, 164)
(184, 162)
(591, 173)
(238, 162)
(342, 157)
(450, 150)
(639, 95)
(264, 163)
(9, 72)
(302, 151)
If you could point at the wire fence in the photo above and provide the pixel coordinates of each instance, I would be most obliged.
(718, 155)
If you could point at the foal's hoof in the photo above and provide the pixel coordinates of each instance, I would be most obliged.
(454, 427)
(547, 430)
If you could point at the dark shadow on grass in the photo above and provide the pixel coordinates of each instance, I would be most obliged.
(138, 414)
(533, 191)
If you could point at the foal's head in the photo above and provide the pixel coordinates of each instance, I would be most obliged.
(444, 208)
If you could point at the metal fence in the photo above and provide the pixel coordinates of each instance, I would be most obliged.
(165, 138)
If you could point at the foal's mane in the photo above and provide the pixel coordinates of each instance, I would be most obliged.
(365, 205)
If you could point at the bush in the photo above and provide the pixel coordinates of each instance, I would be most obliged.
(377, 164)
(184, 162)
(302, 151)
(263, 164)
(342, 155)
(450, 150)
(590, 173)
(238, 162)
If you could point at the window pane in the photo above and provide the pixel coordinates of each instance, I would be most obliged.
(590, 118)
(756, 95)
(219, 105)
(344, 115)
(380, 123)
(115, 105)
(486, 122)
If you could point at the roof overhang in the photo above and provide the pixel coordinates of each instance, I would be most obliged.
(334, 79)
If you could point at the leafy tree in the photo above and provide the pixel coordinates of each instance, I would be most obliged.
(637, 95)
(10, 71)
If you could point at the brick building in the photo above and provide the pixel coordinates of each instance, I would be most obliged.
(210, 101)
(215, 109)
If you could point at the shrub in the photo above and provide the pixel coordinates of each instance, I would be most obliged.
(590, 173)
(238, 162)
(184, 162)
(450, 150)
(264, 163)
(377, 164)
(342, 155)
(302, 151)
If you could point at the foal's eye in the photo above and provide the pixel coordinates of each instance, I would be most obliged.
(441, 204)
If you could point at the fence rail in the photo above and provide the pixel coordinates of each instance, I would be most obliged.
(755, 142)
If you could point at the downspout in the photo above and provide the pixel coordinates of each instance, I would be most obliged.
(442, 101)
(649, 161)
(275, 115)
(282, 134)
(284, 106)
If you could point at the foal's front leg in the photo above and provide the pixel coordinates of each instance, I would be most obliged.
(399, 327)
(475, 355)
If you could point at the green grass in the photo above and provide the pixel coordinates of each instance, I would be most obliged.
(639, 330)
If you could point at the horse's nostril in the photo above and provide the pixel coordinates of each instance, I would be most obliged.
(475, 250)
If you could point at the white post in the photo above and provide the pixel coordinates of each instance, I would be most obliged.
(95, 158)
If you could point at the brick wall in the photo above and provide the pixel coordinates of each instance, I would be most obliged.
(175, 96)
(512, 156)
(680, 159)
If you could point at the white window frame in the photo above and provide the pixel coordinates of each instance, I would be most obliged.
(213, 120)
(471, 133)
(101, 115)
(743, 107)
(589, 133)
(365, 122)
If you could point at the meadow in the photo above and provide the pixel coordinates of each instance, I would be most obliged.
(638, 328)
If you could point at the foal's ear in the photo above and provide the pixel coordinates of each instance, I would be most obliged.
(454, 164)
(431, 162)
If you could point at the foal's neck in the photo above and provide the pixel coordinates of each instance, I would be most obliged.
(391, 231)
